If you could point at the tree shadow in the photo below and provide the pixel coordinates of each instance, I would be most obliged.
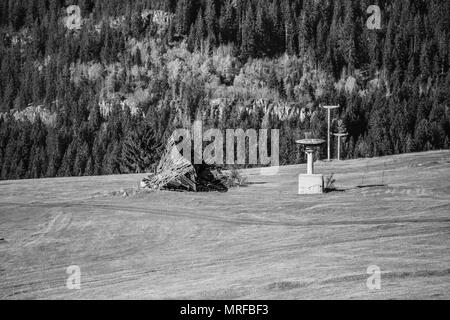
(331, 190)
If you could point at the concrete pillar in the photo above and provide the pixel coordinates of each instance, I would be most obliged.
(329, 134)
(310, 162)
(339, 148)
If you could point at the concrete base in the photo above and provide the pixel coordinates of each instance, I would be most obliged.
(310, 184)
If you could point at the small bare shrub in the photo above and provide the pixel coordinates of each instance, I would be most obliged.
(330, 183)
(235, 179)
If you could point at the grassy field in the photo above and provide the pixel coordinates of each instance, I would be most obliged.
(262, 241)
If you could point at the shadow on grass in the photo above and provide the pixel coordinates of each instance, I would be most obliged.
(248, 184)
(372, 186)
(331, 190)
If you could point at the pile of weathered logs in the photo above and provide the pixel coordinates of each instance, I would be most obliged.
(177, 173)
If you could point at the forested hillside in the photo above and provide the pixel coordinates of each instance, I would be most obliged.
(97, 91)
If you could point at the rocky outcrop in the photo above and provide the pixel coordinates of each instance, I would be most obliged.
(106, 106)
(158, 17)
(31, 113)
(281, 110)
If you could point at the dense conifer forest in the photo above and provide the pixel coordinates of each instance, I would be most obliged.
(98, 91)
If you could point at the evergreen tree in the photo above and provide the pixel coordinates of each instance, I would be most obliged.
(141, 150)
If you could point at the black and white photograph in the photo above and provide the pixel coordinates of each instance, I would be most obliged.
(235, 150)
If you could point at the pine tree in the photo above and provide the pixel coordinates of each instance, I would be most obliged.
(261, 30)
(211, 22)
(248, 34)
(68, 161)
(425, 62)
(81, 159)
(227, 22)
(199, 31)
(349, 47)
(289, 29)
(140, 150)
(422, 135)
(183, 16)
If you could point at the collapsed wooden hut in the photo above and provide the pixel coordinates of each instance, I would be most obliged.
(177, 173)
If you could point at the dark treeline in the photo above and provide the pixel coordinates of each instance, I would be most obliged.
(324, 42)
